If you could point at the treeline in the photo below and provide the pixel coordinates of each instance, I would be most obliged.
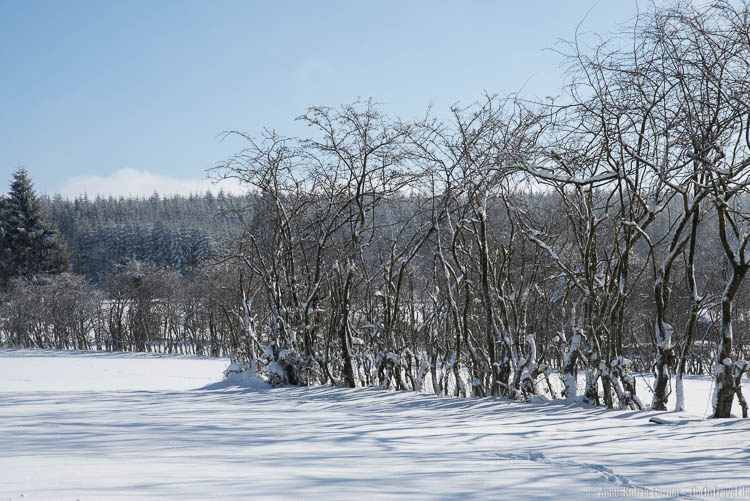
(99, 249)
(516, 245)
(198, 210)
(178, 232)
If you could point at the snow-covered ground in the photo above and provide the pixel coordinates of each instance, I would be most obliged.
(98, 425)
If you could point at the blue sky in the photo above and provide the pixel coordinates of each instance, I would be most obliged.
(131, 96)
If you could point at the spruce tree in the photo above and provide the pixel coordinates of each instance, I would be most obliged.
(30, 246)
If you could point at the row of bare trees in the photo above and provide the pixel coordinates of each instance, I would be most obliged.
(137, 307)
(473, 254)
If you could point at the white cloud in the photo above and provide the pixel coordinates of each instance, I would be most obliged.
(134, 182)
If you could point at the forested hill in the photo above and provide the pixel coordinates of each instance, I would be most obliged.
(176, 231)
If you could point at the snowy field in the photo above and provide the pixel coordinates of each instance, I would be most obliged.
(79, 425)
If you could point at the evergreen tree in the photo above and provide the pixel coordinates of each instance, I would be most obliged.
(30, 245)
